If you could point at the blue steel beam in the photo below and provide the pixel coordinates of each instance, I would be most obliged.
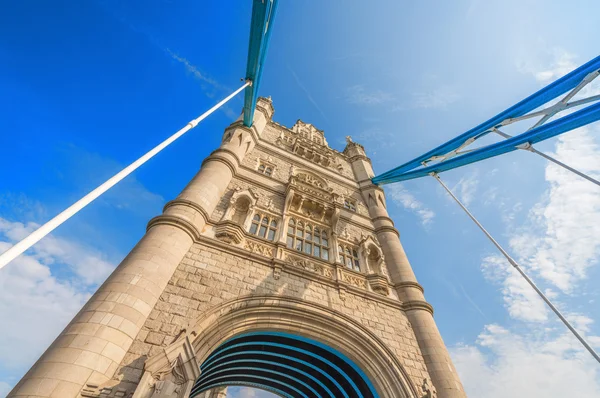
(261, 26)
(553, 90)
(552, 129)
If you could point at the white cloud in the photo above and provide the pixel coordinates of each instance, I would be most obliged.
(402, 197)
(247, 392)
(539, 364)
(438, 98)
(358, 95)
(466, 188)
(557, 245)
(4, 389)
(305, 90)
(562, 238)
(521, 301)
(34, 307)
(209, 85)
(546, 72)
(86, 263)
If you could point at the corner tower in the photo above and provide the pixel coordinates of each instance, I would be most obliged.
(276, 267)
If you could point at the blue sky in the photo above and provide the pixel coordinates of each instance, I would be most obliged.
(87, 87)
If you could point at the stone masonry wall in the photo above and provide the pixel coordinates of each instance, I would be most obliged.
(207, 277)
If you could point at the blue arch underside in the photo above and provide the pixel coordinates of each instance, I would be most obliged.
(289, 365)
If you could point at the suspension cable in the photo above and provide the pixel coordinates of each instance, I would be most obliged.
(528, 147)
(49, 226)
(518, 268)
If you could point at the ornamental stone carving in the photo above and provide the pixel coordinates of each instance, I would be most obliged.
(354, 280)
(258, 248)
(308, 265)
(170, 373)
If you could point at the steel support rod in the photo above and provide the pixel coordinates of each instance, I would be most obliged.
(518, 268)
(530, 148)
(48, 227)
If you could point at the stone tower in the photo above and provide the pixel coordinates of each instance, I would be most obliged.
(278, 267)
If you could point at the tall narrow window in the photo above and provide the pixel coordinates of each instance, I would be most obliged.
(350, 204)
(307, 238)
(265, 168)
(349, 257)
(264, 226)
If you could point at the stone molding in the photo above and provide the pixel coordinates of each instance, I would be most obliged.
(188, 203)
(184, 225)
(291, 157)
(387, 228)
(216, 156)
(416, 285)
(312, 320)
(414, 305)
(278, 265)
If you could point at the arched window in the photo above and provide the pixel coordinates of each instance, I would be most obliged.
(308, 239)
(349, 256)
(264, 226)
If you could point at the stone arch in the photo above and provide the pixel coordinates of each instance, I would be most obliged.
(310, 178)
(309, 320)
(240, 207)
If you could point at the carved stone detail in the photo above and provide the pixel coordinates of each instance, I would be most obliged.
(354, 280)
(378, 283)
(308, 265)
(229, 232)
(170, 373)
(258, 248)
(428, 389)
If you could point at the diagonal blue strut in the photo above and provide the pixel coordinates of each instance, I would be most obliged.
(553, 90)
(261, 26)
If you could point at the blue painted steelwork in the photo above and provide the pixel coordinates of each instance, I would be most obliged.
(235, 362)
(355, 388)
(289, 362)
(283, 375)
(414, 169)
(263, 14)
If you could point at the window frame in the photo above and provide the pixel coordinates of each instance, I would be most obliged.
(349, 253)
(301, 236)
(350, 204)
(265, 168)
(264, 226)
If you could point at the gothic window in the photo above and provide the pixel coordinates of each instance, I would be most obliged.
(308, 238)
(350, 204)
(265, 169)
(349, 257)
(264, 226)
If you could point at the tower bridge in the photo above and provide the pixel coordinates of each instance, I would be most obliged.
(277, 266)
